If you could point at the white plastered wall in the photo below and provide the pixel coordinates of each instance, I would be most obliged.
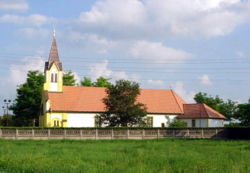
(216, 123)
(158, 119)
(81, 119)
(198, 122)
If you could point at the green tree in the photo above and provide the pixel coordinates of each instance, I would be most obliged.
(243, 113)
(28, 101)
(122, 108)
(7, 120)
(178, 124)
(86, 82)
(69, 79)
(227, 108)
(100, 82)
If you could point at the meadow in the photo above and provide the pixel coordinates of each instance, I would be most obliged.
(129, 156)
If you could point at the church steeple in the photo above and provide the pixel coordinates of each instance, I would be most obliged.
(53, 70)
(53, 55)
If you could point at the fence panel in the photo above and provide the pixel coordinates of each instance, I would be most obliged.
(103, 133)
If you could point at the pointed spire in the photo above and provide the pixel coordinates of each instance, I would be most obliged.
(53, 55)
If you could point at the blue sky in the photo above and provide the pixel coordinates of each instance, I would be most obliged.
(189, 46)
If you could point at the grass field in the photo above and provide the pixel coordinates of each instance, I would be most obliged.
(165, 155)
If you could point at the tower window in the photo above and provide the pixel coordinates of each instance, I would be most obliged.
(53, 77)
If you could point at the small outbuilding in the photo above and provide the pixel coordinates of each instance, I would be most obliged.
(201, 115)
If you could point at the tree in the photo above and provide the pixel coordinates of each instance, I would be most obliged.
(69, 79)
(243, 113)
(100, 82)
(6, 120)
(86, 82)
(178, 124)
(122, 108)
(227, 108)
(28, 101)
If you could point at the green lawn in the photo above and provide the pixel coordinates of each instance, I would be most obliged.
(165, 155)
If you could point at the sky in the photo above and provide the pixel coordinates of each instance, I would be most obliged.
(189, 46)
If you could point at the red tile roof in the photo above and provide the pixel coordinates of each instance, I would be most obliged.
(195, 111)
(89, 99)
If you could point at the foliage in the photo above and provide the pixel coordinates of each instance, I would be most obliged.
(227, 108)
(178, 124)
(7, 120)
(243, 113)
(126, 156)
(100, 82)
(86, 82)
(69, 79)
(28, 101)
(121, 106)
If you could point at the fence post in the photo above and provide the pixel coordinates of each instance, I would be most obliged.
(112, 133)
(33, 133)
(0, 133)
(158, 133)
(188, 135)
(202, 133)
(128, 133)
(216, 132)
(64, 133)
(96, 133)
(143, 133)
(173, 132)
(48, 133)
(16, 133)
(80, 133)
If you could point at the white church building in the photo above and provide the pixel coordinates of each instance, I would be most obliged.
(80, 106)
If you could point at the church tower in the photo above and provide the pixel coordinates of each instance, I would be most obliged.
(53, 70)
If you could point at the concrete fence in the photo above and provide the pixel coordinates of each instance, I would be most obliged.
(78, 134)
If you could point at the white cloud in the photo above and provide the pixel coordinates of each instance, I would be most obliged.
(205, 80)
(129, 13)
(179, 88)
(163, 19)
(157, 83)
(34, 33)
(240, 54)
(18, 72)
(158, 52)
(101, 69)
(19, 5)
(34, 19)
(91, 41)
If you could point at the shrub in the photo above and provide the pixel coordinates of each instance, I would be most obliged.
(178, 124)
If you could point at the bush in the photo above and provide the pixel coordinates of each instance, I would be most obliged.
(178, 124)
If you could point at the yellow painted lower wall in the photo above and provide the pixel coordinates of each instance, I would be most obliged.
(54, 120)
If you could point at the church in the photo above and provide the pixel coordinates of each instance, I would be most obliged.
(80, 106)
